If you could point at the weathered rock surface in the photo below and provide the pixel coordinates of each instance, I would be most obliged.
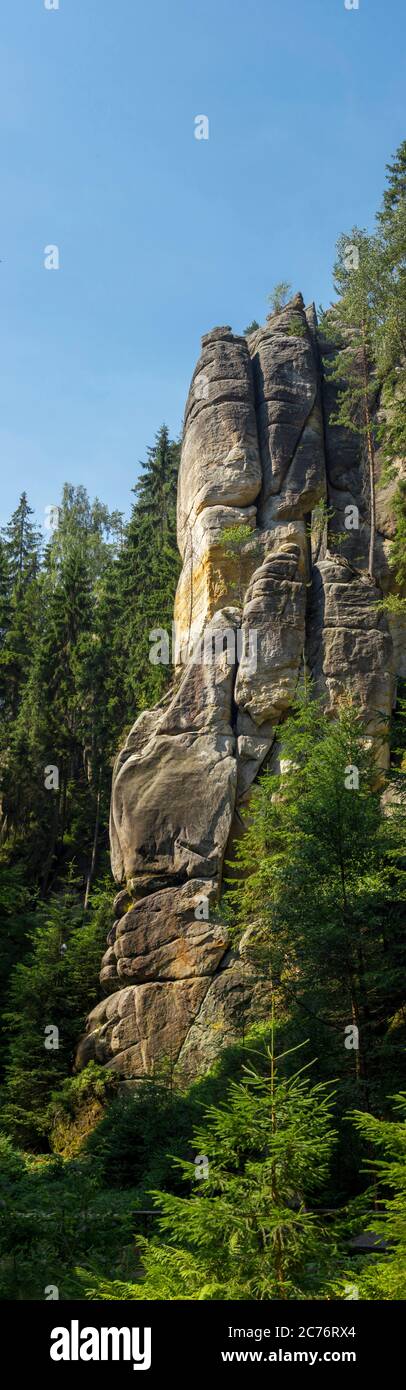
(142, 1027)
(220, 456)
(350, 650)
(237, 997)
(161, 937)
(290, 425)
(274, 609)
(219, 479)
(259, 453)
(159, 818)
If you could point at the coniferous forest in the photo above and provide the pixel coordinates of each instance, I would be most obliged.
(280, 1173)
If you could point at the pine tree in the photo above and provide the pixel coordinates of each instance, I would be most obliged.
(156, 489)
(22, 542)
(148, 568)
(279, 296)
(5, 591)
(322, 891)
(74, 663)
(63, 717)
(352, 325)
(382, 1276)
(20, 553)
(391, 353)
(392, 341)
(5, 622)
(397, 557)
(16, 921)
(392, 229)
(53, 988)
(249, 1231)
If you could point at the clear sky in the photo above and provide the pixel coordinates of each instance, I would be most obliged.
(162, 236)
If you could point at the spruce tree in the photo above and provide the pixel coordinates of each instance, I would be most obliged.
(53, 988)
(249, 1228)
(20, 555)
(352, 325)
(22, 542)
(63, 717)
(392, 235)
(391, 353)
(382, 1210)
(148, 569)
(156, 489)
(322, 891)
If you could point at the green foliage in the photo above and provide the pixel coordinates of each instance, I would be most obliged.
(252, 328)
(236, 536)
(391, 237)
(296, 328)
(398, 734)
(322, 517)
(279, 296)
(246, 1231)
(56, 713)
(392, 604)
(322, 892)
(384, 1275)
(235, 540)
(367, 326)
(139, 1131)
(16, 922)
(93, 1082)
(74, 663)
(397, 558)
(22, 544)
(54, 1214)
(352, 326)
(147, 574)
(55, 986)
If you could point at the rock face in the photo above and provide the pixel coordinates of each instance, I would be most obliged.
(220, 478)
(253, 606)
(274, 609)
(350, 647)
(188, 745)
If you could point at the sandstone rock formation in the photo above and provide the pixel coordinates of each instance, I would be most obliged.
(260, 454)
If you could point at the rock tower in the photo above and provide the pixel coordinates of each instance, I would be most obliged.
(251, 614)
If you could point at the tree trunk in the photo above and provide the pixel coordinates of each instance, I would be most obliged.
(92, 866)
(279, 1263)
(3, 830)
(52, 846)
(371, 462)
(371, 459)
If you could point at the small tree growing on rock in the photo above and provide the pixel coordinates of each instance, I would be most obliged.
(279, 296)
(236, 539)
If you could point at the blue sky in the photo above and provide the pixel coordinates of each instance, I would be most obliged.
(162, 236)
